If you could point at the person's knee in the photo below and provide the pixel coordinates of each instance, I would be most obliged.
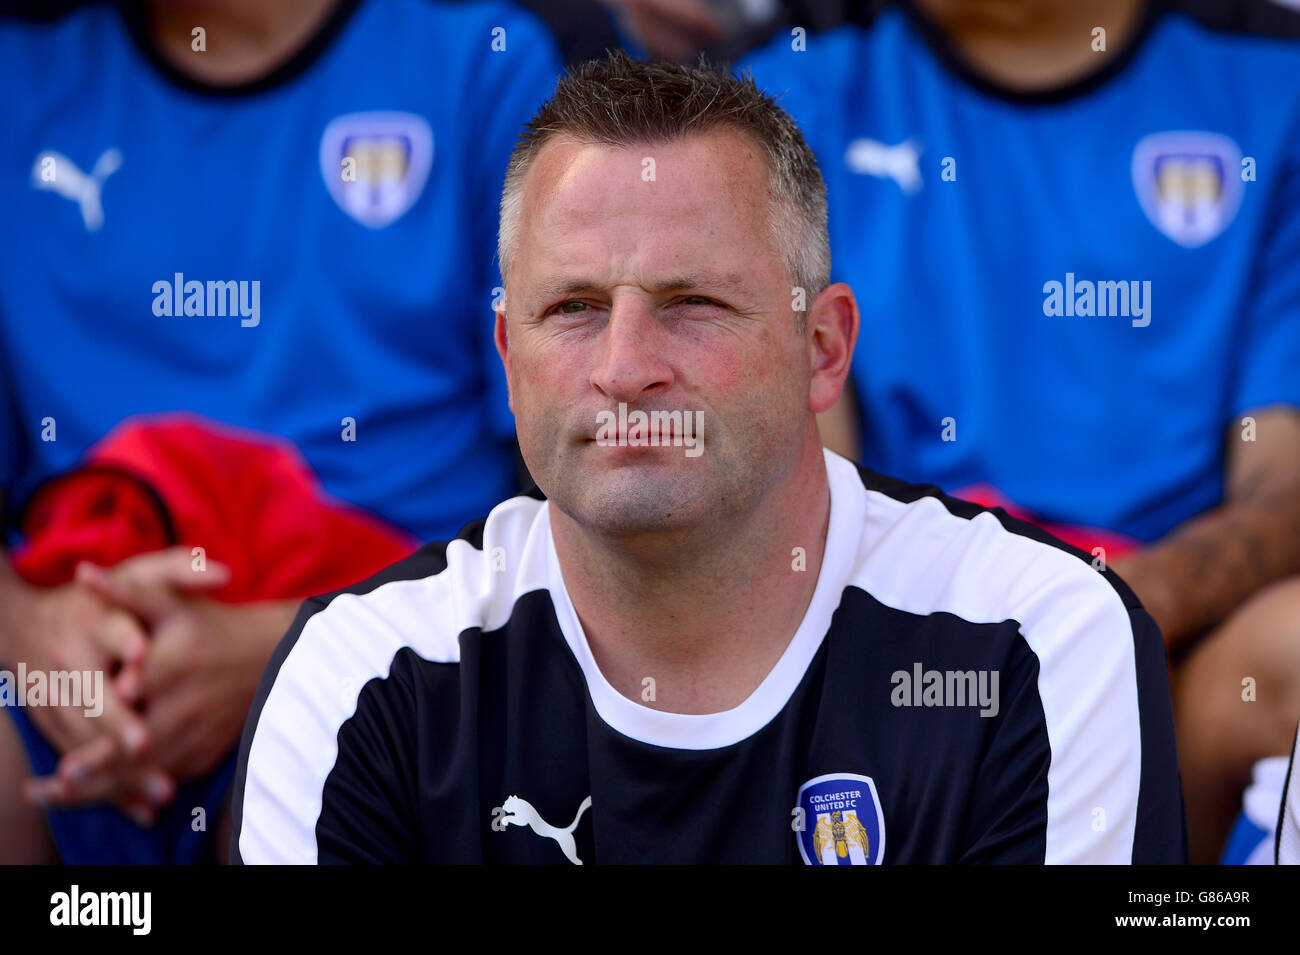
(1247, 672)
(1270, 634)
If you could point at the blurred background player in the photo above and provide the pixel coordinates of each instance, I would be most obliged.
(975, 152)
(281, 219)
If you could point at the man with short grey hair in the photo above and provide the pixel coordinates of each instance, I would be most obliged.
(704, 638)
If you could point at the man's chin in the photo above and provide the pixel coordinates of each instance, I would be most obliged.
(637, 498)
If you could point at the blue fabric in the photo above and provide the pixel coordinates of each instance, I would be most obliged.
(1082, 420)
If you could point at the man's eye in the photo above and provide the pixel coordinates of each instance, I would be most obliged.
(697, 300)
(570, 308)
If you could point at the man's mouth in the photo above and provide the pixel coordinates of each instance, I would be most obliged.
(650, 428)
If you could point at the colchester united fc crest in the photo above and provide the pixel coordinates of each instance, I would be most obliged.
(376, 164)
(1188, 183)
(843, 823)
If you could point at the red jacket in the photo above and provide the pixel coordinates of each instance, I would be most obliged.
(248, 499)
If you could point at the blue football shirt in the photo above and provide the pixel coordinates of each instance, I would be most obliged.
(977, 227)
(310, 255)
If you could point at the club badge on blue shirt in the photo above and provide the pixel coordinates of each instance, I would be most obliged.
(1188, 183)
(376, 164)
(842, 823)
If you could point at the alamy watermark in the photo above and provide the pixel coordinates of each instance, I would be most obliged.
(179, 297)
(83, 688)
(1124, 299)
(130, 909)
(924, 687)
(651, 429)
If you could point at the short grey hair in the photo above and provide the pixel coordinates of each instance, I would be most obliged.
(619, 101)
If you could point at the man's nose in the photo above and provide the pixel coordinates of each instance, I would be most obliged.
(631, 361)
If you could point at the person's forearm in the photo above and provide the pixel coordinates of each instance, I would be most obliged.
(262, 625)
(270, 621)
(1195, 577)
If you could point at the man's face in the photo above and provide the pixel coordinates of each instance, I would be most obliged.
(657, 285)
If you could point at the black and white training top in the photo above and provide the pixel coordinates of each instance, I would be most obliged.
(963, 688)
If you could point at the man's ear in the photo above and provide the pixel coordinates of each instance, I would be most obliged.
(832, 334)
(502, 340)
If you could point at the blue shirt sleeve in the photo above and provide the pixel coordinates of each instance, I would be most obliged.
(1269, 369)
